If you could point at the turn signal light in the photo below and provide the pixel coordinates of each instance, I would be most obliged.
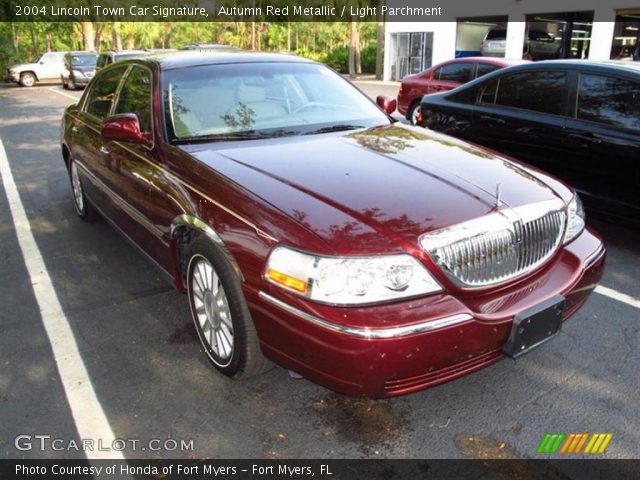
(287, 280)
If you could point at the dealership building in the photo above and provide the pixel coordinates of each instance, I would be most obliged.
(532, 29)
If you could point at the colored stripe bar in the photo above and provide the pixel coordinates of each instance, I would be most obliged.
(606, 441)
(565, 447)
(543, 443)
(581, 443)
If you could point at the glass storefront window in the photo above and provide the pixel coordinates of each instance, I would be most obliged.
(558, 35)
(626, 38)
(412, 53)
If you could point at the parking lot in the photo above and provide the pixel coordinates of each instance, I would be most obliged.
(135, 339)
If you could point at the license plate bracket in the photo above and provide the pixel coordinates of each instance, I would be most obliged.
(535, 326)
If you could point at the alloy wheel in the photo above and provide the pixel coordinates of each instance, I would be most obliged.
(211, 311)
(76, 185)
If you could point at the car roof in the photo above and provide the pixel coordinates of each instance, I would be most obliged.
(491, 60)
(188, 58)
(571, 64)
(120, 52)
(81, 52)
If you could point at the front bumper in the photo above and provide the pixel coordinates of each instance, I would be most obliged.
(394, 349)
(12, 77)
(81, 81)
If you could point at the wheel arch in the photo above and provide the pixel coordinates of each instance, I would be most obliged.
(32, 72)
(184, 230)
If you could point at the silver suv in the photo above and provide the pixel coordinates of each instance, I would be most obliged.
(538, 45)
(49, 67)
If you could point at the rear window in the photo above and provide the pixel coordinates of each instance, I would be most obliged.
(609, 100)
(535, 91)
(499, 34)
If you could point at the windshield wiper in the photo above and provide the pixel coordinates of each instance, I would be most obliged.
(334, 128)
(249, 135)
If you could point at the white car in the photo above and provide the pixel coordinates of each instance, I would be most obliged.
(49, 67)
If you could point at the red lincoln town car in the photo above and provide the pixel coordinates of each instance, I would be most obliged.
(442, 77)
(308, 228)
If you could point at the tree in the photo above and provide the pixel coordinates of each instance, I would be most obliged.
(116, 38)
(379, 40)
(88, 36)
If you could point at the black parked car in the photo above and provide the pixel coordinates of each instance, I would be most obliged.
(80, 67)
(579, 120)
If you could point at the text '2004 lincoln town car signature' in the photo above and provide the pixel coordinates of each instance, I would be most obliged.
(310, 229)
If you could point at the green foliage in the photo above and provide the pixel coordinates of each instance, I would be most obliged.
(368, 58)
(338, 59)
(321, 41)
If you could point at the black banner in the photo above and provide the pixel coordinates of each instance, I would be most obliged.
(320, 469)
(224, 10)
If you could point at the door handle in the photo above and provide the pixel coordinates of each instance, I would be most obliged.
(588, 138)
(104, 150)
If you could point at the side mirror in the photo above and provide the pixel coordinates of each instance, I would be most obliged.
(123, 128)
(387, 104)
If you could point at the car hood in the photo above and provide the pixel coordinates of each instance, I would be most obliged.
(377, 189)
(24, 66)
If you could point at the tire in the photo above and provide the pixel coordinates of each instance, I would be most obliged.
(83, 207)
(64, 83)
(413, 111)
(220, 314)
(27, 79)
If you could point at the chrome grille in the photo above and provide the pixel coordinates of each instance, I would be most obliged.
(498, 247)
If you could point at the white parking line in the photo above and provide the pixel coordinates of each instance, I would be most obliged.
(59, 92)
(621, 297)
(87, 412)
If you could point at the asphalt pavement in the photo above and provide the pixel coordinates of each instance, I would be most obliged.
(134, 335)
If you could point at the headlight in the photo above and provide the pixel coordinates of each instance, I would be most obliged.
(12, 72)
(575, 219)
(349, 280)
(78, 73)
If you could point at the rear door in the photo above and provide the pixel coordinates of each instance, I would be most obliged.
(523, 114)
(90, 152)
(603, 139)
(51, 66)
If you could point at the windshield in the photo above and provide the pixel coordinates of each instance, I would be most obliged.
(84, 60)
(249, 100)
(498, 34)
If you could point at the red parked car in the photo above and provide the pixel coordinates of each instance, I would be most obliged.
(444, 76)
(307, 227)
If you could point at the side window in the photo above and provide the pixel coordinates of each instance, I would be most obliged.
(100, 62)
(488, 93)
(101, 96)
(455, 72)
(536, 91)
(484, 68)
(135, 96)
(49, 58)
(609, 100)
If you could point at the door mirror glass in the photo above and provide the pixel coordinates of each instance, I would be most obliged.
(123, 128)
(387, 104)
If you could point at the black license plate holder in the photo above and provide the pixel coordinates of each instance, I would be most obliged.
(535, 326)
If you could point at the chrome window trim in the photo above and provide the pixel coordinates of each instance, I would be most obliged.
(370, 333)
